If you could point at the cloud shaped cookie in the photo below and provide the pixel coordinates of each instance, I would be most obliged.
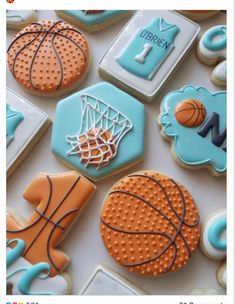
(195, 121)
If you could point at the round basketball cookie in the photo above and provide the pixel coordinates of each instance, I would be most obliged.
(49, 58)
(150, 223)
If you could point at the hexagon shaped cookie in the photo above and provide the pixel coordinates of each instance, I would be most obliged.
(99, 131)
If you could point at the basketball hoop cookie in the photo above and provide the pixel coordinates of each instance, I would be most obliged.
(99, 131)
(212, 51)
(34, 264)
(49, 58)
(149, 223)
(194, 120)
(92, 20)
(19, 19)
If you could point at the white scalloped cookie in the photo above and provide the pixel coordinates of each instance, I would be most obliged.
(19, 19)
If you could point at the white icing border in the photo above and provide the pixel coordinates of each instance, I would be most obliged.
(207, 247)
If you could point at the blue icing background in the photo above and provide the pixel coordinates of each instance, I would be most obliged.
(13, 119)
(91, 19)
(189, 146)
(68, 118)
(159, 35)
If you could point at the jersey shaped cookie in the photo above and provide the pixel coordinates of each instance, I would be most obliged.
(59, 199)
(195, 122)
(212, 51)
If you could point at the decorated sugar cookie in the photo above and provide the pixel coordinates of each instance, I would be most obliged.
(24, 278)
(99, 130)
(49, 58)
(92, 20)
(147, 52)
(20, 18)
(153, 43)
(25, 125)
(105, 281)
(33, 244)
(213, 235)
(198, 15)
(194, 120)
(212, 50)
(222, 275)
(149, 223)
(13, 119)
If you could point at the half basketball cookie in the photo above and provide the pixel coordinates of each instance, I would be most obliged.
(194, 120)
(150, 223)
(49, 58)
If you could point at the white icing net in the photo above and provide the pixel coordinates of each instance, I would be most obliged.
(102, 128)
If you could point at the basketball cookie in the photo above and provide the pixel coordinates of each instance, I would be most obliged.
(93, 20)
(19, 19)
(149, 223)
(34, 264)
(211, 51)
(198, 15)
(49, 58)
(194, 120)
(96, 134)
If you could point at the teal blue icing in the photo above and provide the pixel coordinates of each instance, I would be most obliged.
(16, 252)
(215, 39)
(215, 232)
(13, 119)
(68, 118)
(36, 271)
(160, 35)
(29, 273)
(189, 146)
(92, 19)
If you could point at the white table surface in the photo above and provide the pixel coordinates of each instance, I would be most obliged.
(83, 244)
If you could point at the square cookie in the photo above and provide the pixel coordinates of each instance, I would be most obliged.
(25, 125)
(105, 281)
(148, 50)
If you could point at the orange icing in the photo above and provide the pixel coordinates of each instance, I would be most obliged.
(59, 199)
(48, 56)
(150, 224)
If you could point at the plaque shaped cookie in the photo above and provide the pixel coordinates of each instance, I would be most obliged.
(33, 258)
(92, 20)
(149, 223)
(25, 125)
(194, 120)
(147, 52)
(99, 130)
